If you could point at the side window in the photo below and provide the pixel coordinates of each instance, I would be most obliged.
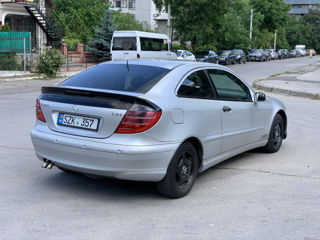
(124, 43)
(229, 87)
(153, 44)
(196, 85)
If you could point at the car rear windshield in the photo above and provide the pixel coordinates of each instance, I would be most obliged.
(118, 77)
(124, 44)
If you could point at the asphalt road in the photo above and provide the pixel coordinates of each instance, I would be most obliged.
(251, 196)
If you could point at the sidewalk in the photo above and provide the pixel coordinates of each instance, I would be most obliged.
(301, 82)
(7, 76)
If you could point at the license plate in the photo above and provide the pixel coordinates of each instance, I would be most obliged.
(77, 121)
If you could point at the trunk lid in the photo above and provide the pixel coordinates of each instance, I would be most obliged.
(108, 108)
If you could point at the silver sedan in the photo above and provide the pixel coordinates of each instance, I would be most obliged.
(158, 121)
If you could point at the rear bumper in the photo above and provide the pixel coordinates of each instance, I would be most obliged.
(135, 162)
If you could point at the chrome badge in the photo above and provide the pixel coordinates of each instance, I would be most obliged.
(75, 108)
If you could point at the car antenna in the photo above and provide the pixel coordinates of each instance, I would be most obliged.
(128, 65)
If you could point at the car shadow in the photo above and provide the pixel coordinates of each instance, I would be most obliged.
(99, 188)
(227, 164)
(118, 190)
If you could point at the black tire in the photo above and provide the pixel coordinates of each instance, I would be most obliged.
(181, 173)
(275, 135)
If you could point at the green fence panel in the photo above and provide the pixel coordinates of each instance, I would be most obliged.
(13, 41)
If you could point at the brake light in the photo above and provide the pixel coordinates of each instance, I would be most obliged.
(110, 56)
(138, 118)
(39, 113)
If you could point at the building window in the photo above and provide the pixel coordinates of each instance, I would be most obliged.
(132, 4)
(120, 4)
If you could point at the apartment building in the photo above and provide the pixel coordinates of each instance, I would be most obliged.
(301, 7)
(143, 11)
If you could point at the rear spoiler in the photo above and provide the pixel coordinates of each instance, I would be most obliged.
(92, 98)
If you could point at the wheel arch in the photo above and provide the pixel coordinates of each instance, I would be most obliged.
(199, 148)
(285, 122)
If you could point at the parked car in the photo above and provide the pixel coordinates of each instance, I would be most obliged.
(226, 57)
(256, 55)
(158, 121)
(185, 55)
(298, 53)
(285, 53)
(281, 54)
(240, 55)
(140, 45)
(273, 54)
(268, 54)
(206, 56)
(293, 53)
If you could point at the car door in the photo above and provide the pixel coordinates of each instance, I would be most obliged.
(243, 122)
(202, 112)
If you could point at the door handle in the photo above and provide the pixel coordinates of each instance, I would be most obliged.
(226, 109)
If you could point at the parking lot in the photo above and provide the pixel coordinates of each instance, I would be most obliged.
(251, 196)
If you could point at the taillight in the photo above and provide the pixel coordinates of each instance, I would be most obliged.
(39, 111)
(138, 119)
(110, 56)
(138, 56)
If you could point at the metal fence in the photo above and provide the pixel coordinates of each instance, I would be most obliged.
(74, 61)
(12, 43)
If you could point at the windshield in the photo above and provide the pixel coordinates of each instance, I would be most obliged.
(179, 53)
(236, 52)
(255, 51)
(201, 54)
(118, 77)
(224, 52)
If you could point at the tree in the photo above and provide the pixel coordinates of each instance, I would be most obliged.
(275, 13)
(99, 45)
(195, 21)
(312, 20)
(274, 17)
(234, 30)
(125, 21)
(78, 18)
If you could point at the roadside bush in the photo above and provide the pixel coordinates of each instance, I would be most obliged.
(5, 28)
(206, 47)
(8, 61)
(49, 62)
(176, 47)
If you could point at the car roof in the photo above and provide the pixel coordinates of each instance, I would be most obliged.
(155, 63)
(164, 63)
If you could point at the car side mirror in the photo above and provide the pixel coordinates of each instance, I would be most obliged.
(184, 55)
(260, 97)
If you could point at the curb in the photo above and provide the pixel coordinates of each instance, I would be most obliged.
(257, 85)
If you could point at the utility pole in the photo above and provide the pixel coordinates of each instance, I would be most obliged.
(275, 40)
(169, 20)
(251, 28)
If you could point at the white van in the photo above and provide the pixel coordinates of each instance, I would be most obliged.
(140, 45)
(302, 49)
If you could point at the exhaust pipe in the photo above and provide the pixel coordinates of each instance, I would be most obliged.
(47, 164)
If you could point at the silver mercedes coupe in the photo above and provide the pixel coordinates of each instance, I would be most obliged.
(158, 121)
